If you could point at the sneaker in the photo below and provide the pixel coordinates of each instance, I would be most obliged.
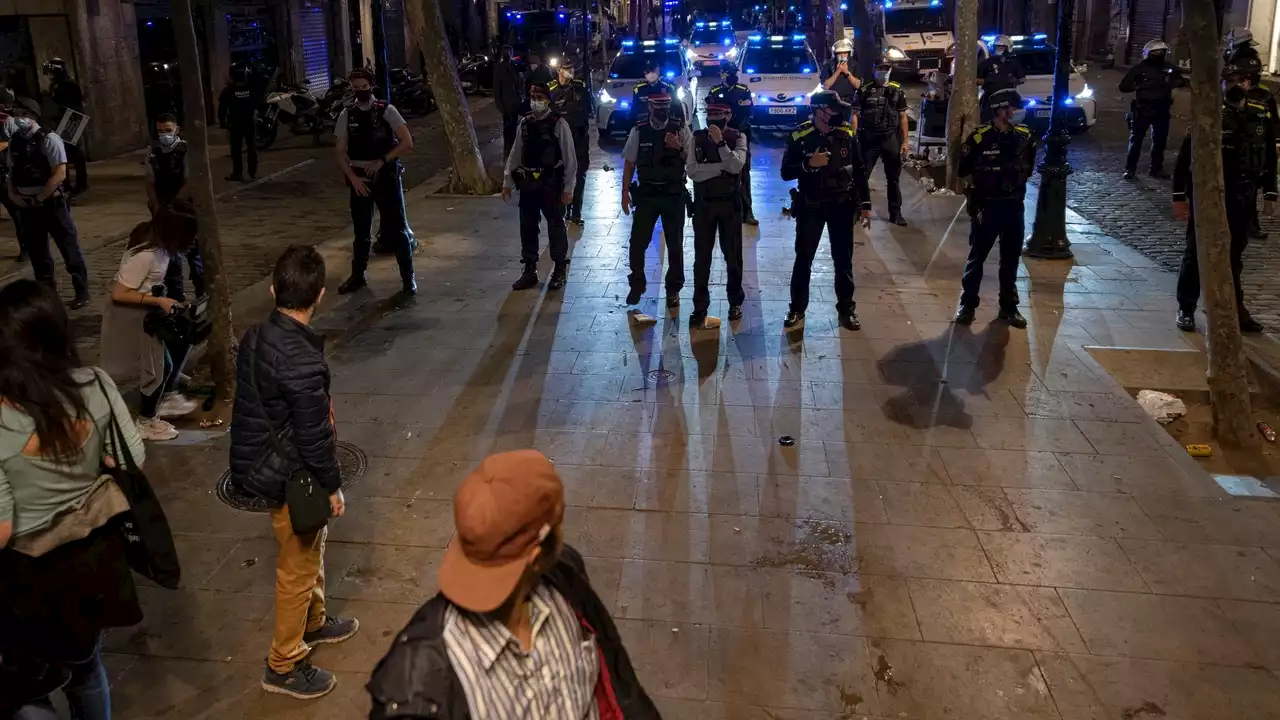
(1013, 317)
(334, 630)
(1158, 174)
(633, 297)
(793, 319)
(849, 321)
(1248, 324)
(559, 275)
(155, 429)
(78, 302)
(1186, 321)
(352, 284)
(409, 285)
(735, 313)
(305, 681)
(175, 404)
(576, 221)
(964, 316)
(1129, 174)
(898, 220)
(528, 278)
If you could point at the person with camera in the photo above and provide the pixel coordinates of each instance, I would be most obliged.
(134, 346)
(282, 438)
(167, 170)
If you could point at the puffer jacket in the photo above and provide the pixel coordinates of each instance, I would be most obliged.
(291, 397)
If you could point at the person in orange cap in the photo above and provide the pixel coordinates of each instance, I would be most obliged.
(516, 631)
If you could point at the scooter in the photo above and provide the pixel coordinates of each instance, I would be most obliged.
(475, 72)
(301, 111)
(410, 92)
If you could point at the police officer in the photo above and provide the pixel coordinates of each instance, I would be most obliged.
(1244, 54)
(882, 128)
(999, 157)
(998, 72)
(37, 169)
(736, 96)
(839, 76)
(67, 94)
(541, 165)
(371, 138)
(1248, 159)
(1152, 81)
(653, 85)
(655, 153)
(167, 173)
(7, 129)
(719, 154)
(823, 154)
(571, 100)
(237, 114)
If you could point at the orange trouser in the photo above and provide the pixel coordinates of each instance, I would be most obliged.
(299, 591)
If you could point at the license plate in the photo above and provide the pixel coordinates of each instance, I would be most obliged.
(782, 111)
(1044, 113)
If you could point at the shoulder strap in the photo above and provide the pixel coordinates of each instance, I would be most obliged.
(119, 449)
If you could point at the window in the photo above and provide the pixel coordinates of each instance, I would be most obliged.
(631, 65)
(778, 60)
(913, 20)
(1040, 61)
(713, 36)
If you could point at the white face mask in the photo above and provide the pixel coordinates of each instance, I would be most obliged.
(567, 76)
(651, 77)
(539, 107)
(24, 124)
(168, 139)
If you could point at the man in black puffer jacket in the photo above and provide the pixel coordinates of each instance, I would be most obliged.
(283, 423)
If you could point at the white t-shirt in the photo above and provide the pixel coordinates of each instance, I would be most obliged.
(142, 269)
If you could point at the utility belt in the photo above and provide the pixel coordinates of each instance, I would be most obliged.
(387, 168)
(642, 192)
(535, 178)
(190, 324)
(804, 205)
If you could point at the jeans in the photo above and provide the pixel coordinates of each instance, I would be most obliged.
(175, 357)
(243, 136)
(837, 216)
(173, 275)
(1001, 220)
(387, 195)
(52, 218)
(889, 149)
(644, 217)
(1140, 120)
(299, 591)
(535, 204)
(722, 215)
(87, 692)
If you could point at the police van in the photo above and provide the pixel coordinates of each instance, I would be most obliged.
(781, 73)
(614, 113)
(1039, 60)
(917, 35)
(710, 44)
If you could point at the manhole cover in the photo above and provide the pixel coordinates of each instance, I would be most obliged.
(351, 461)
(660, 375)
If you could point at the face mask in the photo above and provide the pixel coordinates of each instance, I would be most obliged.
(1000, 50)
(730, 79)
(651, 77)
(842, 58)
(168, 139)
(364, 96)
(660, 117)
(540, 107)
(567, 76)
(719, 122)
(882, 76)
(1235, 94)
(1156, 57)
(24, 124)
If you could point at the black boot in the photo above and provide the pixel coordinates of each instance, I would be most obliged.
(559, 275)
(897, 219)
(1186, 321)
(735, 313)
(849, 320)
(1248, 324)
(673, 302)
(353, 283)
(1013, 317)
(633, 297)
(82, 298)
(793, 319)
(1129, 174)
(964, 316)
(527, 279)
(750, 219)
(408, 284)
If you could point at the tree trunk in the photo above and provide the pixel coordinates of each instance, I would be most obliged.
(491, 18)
(469, 176)
(837, 22)
(864, 43)
(221, 347)
(1228, 374)
(962, 108)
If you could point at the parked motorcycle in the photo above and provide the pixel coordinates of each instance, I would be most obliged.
(410, 92)
(302, 112)
(475, 72)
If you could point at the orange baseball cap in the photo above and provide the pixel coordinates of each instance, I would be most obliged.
(501, 513)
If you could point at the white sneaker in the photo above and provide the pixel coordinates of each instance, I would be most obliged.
(175, 404)
(156, 430)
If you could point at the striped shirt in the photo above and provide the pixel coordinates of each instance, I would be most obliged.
(556, 680)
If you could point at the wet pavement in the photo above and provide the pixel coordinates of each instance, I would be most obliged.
(971, 523)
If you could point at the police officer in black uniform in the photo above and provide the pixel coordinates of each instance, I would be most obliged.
(1152, 81)
(167, 172)
(999, 157)
(1245, 55)
(839, 77)
(653, 85)
(656, 152)
(571, 100)
(719, 154)
(734, 94)
(823, 154)
(371, 138)
(541, 165)
(66, 94)
(1000, 71)
(1248, 160)
(882, 129)
(238, 114)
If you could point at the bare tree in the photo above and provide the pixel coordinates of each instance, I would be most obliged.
(1228, 376)
(221, 347)
(962, 109)
(469, 176)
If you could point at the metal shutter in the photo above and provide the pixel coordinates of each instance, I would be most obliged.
(315, 46)
(1148, 24)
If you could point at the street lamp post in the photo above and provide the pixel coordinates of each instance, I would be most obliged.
(1049, 236)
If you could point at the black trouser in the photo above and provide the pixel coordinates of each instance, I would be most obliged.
(175, 358)
(76, 157)
(52, 218)
(537, 202)
(13, 210)
(711, 216)
(1240, 203)
(1142, 118)
(510, 123)
(173, 275)
(582, 150)
(243, 135)
(1000, 220)
(669, 206)
(745, 180)
(837, 216)
(878, 146)
(387, 195)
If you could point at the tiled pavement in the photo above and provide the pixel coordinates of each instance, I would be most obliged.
(973, 523)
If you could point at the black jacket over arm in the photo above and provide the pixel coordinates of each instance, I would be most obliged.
(292, 397)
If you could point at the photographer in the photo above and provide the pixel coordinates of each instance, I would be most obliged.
(128, 350)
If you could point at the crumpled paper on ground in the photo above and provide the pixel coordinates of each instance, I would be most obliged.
(1165, 408)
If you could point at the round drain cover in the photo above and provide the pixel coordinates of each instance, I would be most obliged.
(351, 462)
(661, 375)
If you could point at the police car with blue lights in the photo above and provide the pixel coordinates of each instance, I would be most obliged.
(710, 43)
(1039, 59)
(781, 73)
(614, 113)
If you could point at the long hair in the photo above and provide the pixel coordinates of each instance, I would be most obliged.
(37, 355)
(172, 229)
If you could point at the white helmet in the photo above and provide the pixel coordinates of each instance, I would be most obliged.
(1240, 37)
(1004, 40)
(1154, 46)
(842, 46)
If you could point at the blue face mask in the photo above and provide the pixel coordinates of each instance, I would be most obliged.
(168, 139)
(24, 124)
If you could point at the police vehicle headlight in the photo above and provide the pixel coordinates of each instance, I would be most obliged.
(690, 54)
(731, 53)
(605, 97)
(894, 53)
(554, 62)
(679, 93)
(1086, 93)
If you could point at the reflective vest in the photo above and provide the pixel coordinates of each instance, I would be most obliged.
(169, 169)
(726, 184)
(657, 165)
(369, 135)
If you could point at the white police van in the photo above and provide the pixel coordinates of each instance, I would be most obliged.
(711, 43)
(782, 73)
(614, 113)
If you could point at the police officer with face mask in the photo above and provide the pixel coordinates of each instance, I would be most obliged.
(167, 172)
(656, 153)
(882, 128)
(1152, 81)
(1000, 71)
(823, 154)
(571, 100)
(1243, 53)
(719, 154)
(371, 137)
(737, 97)
(653, 85)
(999, 158)
(542, 166)
(238, 114)
(839, 76)
(1248, 160)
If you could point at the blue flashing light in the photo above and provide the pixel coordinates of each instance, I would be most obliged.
(520, 19)
(806, 69)
(700, 24)
(844, 6)
(935, 3)
(1018, 38)
(628, 43)
(672, 41)
(1040, 36)
(1031, 102)
(1068, 101)
(791, 7)
(613, 75)
(755, 38)
(150, 24)
(751, 71)
(797, 36)
(799, 16)
(649, 43)
(625, 104)
(776, 38)
(671, 74)
(560, 16)
(888, 4)
(726, 41)
(988, 39)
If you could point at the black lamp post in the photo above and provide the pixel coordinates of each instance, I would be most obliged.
(1049, 236)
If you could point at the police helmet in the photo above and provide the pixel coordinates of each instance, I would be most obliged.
(1239, 37)
(1004, 40)
(842, 46)
(56, 66)
(828, 99)
(1155, 46)
(1007, 97)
